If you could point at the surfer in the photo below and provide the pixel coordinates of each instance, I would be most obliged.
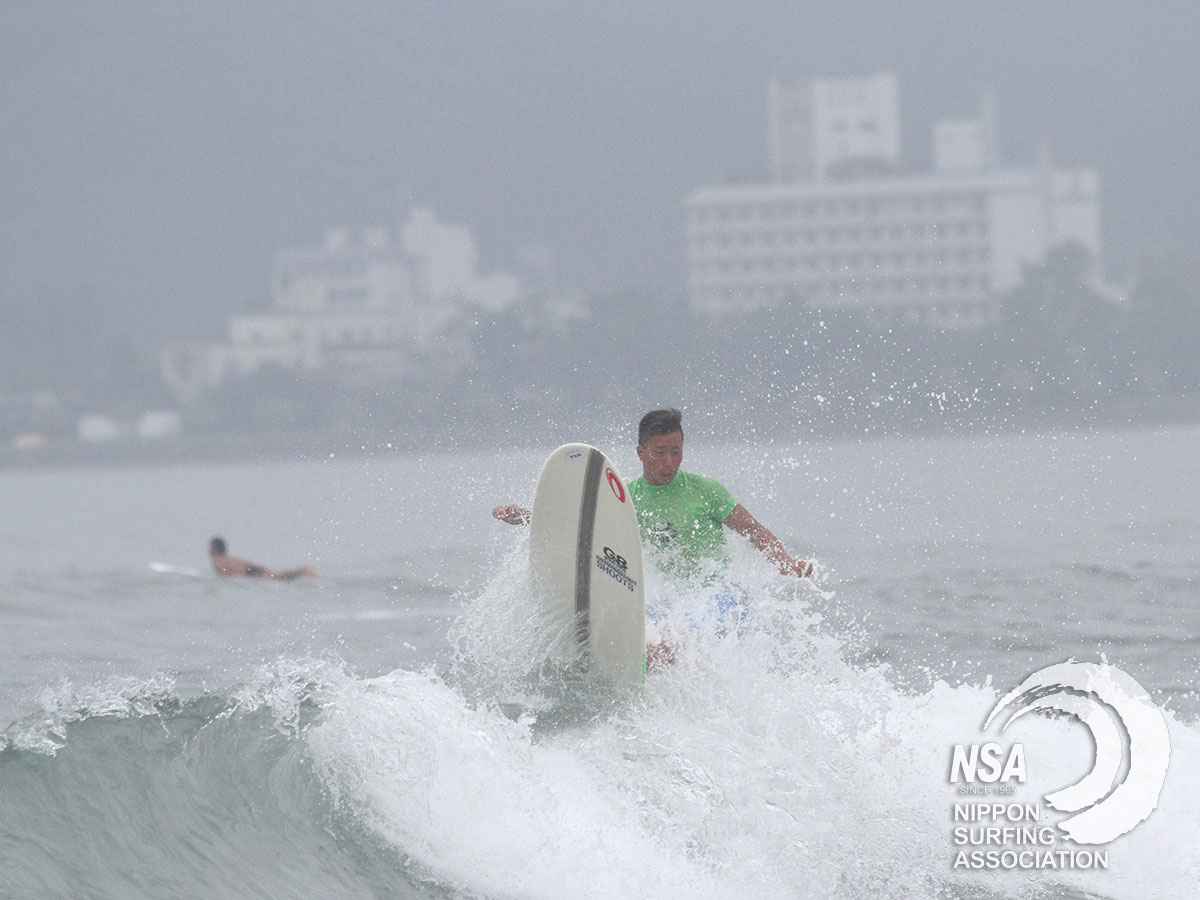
(686, 514)
(680, 514)
(224, 564)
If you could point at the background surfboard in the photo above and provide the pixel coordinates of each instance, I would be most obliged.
(585, 554)
(163, 568)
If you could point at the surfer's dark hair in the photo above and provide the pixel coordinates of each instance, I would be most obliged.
(216, 545)
(659, 421)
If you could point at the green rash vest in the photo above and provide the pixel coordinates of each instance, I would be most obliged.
(683, 519)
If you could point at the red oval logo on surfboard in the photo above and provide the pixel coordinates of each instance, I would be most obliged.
(615, 483)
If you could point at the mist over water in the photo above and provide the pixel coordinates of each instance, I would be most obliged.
(980, 503)
(135, 229)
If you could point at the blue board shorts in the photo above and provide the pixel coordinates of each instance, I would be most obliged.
(717, 610)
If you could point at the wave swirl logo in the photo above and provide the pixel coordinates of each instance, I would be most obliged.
(1112, 705)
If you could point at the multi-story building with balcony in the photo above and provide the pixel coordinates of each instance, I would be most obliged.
(367, 309)
(842, 226)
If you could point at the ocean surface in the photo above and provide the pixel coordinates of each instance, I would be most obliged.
(390, 729)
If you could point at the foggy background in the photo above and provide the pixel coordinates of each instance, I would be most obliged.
(155, 157)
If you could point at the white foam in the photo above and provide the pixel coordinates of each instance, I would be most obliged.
(760, 764)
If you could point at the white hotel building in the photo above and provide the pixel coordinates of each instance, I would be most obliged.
(838, 226)
(368, 308)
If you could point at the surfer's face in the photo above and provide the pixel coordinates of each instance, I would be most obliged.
(661, 457)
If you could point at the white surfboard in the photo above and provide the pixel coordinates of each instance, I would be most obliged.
(163, 568)
(585, 554)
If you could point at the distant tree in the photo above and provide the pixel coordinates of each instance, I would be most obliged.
(1057, 334)
(1166, 322)
(272, 398)
(52, 339)
(125, 374)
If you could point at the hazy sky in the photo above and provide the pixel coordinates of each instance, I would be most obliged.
(161, 153)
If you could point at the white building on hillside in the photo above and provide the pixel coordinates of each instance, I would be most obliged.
(366, 308)
(841, 226)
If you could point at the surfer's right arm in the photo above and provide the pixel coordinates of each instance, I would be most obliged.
(293, 574)
(512, 514)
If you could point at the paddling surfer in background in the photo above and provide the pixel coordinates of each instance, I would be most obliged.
(681, 515)
(225, 565)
